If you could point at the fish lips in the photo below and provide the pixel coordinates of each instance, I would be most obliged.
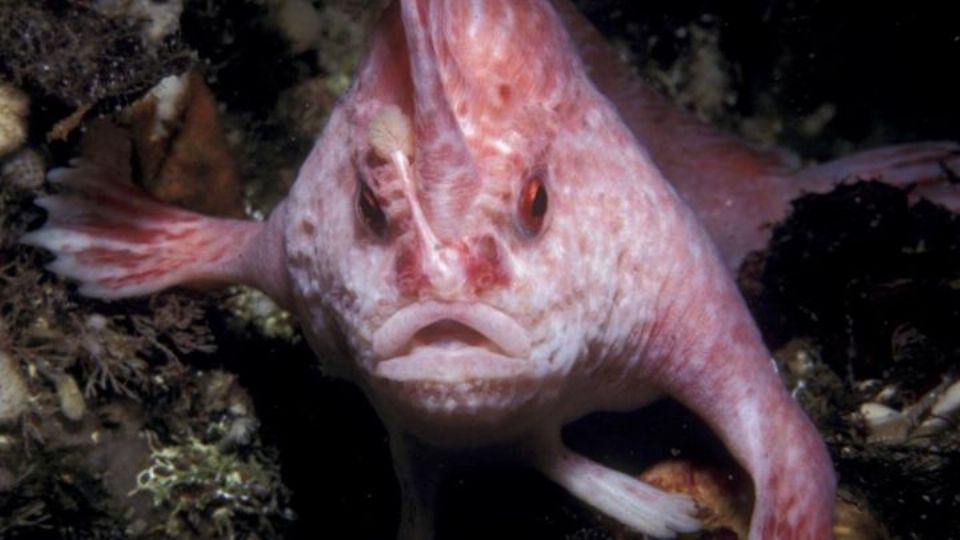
(450, 342)
(451, 363)
(455, 371)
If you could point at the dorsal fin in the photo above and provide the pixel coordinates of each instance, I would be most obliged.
(447, 174)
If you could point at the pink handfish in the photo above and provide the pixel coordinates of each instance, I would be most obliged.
(498, 248)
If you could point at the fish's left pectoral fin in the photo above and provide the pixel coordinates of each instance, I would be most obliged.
(634, 503)
(931, 170)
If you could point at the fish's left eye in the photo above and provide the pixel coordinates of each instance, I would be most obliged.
(533, 204)
(369, 211)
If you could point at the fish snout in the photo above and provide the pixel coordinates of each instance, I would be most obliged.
(450, 271)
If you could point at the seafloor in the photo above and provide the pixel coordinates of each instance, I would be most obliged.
(204, 415)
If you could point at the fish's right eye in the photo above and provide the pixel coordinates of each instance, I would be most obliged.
(532, 206)
(369, 211)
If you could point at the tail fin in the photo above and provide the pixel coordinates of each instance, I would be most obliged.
(931, 170)
(118, 241)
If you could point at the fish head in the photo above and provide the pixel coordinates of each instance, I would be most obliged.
(459, 225)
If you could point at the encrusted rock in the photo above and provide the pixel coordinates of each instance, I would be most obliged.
(13, 390)
(14, 106)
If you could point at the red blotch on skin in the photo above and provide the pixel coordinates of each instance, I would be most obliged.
(776, 525)
(484, 267)
(121, 232)
(147, 276)
(108, 257)
(743, 334)
(408, 271)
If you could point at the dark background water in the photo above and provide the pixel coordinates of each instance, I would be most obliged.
(890, 70)
(885, 66)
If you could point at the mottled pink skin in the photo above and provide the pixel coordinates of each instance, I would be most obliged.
(622, 294)
(462, 326)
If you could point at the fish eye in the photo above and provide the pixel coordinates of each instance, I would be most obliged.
(533, 204)
(369, 211)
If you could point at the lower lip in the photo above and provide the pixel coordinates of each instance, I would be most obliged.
(443, 362)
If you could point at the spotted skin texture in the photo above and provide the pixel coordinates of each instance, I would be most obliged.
(467, 328)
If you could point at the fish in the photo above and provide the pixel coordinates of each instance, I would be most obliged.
(499, 233)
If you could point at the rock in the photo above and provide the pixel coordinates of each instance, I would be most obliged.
(13, 390)
(14, 106)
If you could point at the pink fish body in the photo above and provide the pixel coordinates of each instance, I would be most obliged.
(497, 255)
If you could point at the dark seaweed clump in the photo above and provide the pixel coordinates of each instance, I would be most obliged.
(873, 278)
(68, 52)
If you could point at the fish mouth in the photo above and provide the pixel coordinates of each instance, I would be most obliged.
(449, 342)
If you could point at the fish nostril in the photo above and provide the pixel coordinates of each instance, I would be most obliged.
(484, 264)
(486, 248)
(445, 272)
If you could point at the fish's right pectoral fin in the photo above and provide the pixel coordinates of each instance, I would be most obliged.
(118, 241)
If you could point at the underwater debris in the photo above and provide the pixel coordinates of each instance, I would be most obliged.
(724, 499)
(181, 151)
(251, 306)
(344, 27)
(72, 52)
(856, 520)
(54, 496)
(306, 106)
(13, 389)
(72, 404)
(14, 106)
(159, 19)
(209, 492)
(818, 389)
(24, 170)
(926, 416)
(700, 79)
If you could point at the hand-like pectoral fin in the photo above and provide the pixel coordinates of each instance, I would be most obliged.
(637, 504)
(118, 241)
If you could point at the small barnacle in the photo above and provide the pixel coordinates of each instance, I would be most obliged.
(883, 424)
(72, 404)
(157, 19)
(943, 412)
